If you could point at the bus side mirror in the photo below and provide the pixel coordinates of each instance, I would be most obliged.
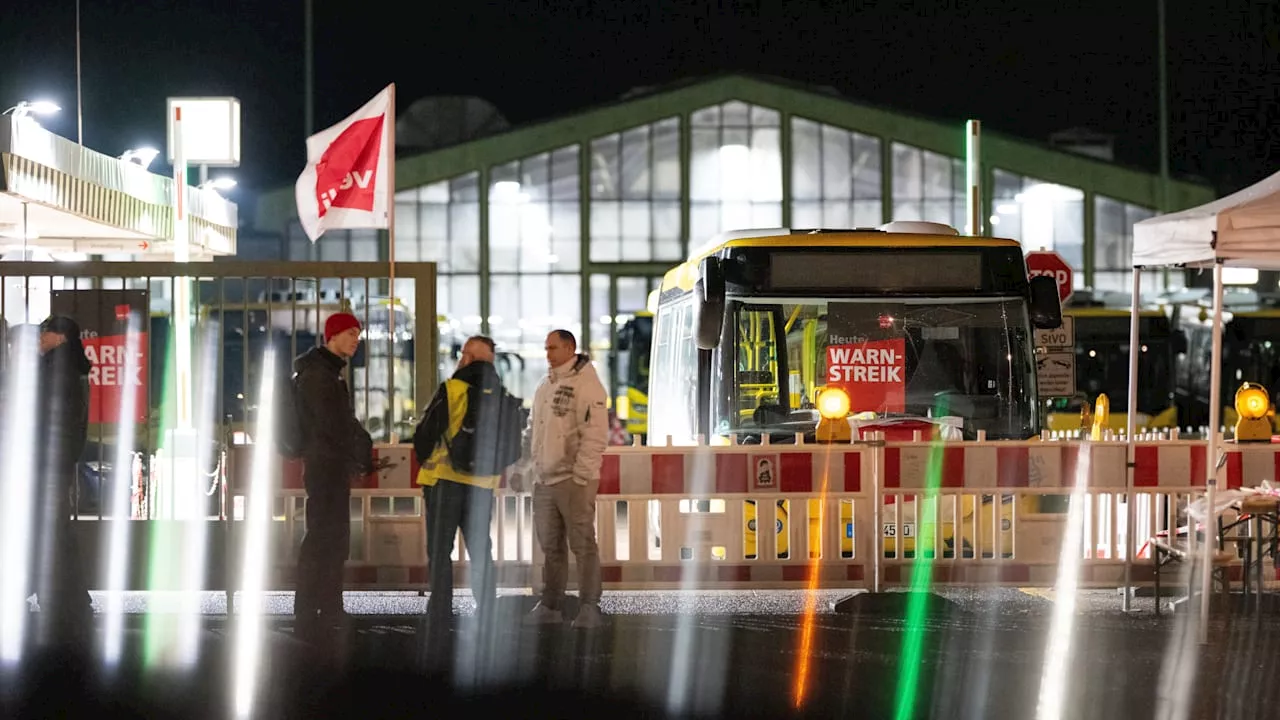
(624, 337)
(708, 304)
(1046, 308)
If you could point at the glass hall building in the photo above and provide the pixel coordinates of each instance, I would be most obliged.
(570, 222)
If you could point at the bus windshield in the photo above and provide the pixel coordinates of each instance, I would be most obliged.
(633, 367)
(967, 358)
(1102, 366)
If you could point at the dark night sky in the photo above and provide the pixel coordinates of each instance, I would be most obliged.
(1020, 70)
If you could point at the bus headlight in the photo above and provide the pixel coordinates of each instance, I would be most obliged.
(1253, 404)
(833, 404)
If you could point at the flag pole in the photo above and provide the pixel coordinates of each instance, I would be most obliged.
(391, 258)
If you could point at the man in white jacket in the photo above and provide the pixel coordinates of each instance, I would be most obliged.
(568, 432)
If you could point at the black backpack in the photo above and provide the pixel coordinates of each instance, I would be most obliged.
(488, 442)
(290, 438)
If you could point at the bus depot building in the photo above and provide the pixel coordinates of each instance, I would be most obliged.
(572, 221)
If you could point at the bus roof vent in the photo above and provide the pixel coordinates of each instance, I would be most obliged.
(820, 231)
(918, 227)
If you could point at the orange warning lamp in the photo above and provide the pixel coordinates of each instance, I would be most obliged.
(1253, 404)
(1101, 416)
(833, 406)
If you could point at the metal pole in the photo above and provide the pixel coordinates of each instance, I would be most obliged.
(1130, 539)
(1215, 446)
(181, 254)
(973, 171)
(79, 104)
(1164, 110)
(309, 72)
(393, 436)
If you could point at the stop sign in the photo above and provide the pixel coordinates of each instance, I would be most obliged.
(1048, 262)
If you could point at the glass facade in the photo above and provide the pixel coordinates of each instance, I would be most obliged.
(735, 173)
(928, 186)
(835, 177)
(575, 236)
(1113, 247)
(534, 259)
(1040, 215)
(635, 194)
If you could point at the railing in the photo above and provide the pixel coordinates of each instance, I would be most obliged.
(23, 137)
(844, 515)
(236, 315)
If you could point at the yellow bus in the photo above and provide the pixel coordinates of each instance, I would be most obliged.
(1102, 366)
(632, 401)
(1250, 352)
(756, 323)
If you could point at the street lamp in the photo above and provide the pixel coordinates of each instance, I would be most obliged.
(40, 107)
(141, 156)
(220, 183)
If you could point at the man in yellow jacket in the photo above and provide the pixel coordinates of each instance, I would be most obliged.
(455, 499)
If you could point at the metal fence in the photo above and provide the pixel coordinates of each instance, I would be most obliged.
(238, 309)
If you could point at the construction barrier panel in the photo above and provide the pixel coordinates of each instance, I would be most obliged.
(851, 515)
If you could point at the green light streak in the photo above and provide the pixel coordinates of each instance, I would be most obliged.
(163, 572)
(921, 580)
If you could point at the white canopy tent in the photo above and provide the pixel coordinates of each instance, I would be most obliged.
(1241, 229)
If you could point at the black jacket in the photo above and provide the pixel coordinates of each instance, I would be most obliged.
(63, 412)
(435, 421)
(335, 439)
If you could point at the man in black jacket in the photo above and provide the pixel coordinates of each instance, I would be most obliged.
(62, 588)
(337, 449)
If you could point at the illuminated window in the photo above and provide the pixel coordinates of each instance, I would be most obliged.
(635, 194)
(835, 177)
(736, 173)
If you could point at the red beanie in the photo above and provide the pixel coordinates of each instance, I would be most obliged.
(339, 323)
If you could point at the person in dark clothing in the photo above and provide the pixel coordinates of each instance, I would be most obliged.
(337, 449)
(61, 583)
(455, 499)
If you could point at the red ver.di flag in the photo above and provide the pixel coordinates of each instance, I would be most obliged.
(866, 356)
(113, 329)
(346, 181)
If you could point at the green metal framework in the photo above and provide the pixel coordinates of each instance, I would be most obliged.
(1015, 155)
(1092, 176)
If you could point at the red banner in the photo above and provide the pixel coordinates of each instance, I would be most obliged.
(120, 357)
(873, 373)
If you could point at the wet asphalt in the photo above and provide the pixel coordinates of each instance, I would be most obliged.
(980, 654)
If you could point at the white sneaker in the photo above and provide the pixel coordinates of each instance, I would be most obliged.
(589, 616)
(543, 615)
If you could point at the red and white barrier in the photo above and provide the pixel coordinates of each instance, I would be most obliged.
(734, 470)
(400, 475)
(862, 476)
(846, 468)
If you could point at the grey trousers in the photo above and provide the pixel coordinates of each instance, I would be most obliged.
(564, 514)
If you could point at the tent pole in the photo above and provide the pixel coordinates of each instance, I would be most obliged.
(1131, 540)
(1215, 415)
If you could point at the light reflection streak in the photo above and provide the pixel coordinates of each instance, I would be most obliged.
(117, 549)
(693, 670)
(19, 445)
(195, 562)
(257, 523)
(177, 557)
(1177, 682)
(811, 596)
(1053, 678)
(921, 580)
